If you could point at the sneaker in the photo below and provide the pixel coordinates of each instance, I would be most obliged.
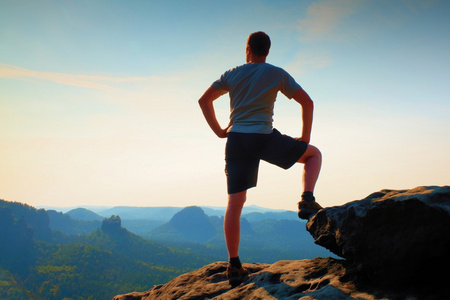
(307, 209)
(236, 275)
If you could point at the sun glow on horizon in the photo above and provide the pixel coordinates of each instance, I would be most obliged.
(102, 110)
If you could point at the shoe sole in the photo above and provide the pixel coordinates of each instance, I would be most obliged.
(237, 280)
(307, 213)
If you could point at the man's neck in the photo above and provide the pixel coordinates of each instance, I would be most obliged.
(257, 59)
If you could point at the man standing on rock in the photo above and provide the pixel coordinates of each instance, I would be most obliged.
(253, 88)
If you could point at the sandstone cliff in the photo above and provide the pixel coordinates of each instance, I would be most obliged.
(396, 239)
(394, 245)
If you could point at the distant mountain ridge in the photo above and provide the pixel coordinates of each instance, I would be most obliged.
(141, 220)
(84, 214)
(157, 213)
(191, 224)
(65, 223)
(268, 237)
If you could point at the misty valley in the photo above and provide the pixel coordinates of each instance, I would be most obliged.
(98, 253)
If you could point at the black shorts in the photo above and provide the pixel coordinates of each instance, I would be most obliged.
(245, 150)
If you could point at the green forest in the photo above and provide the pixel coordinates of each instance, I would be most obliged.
(39, 263)
(46, 254)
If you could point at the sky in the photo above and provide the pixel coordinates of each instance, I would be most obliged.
(98, 99)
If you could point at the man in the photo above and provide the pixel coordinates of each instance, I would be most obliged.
(253, 88)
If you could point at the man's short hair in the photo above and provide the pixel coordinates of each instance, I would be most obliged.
(259, 43)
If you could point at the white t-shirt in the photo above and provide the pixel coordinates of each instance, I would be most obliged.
(253, 89)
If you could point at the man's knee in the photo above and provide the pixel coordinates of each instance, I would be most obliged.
(315, 151)
(311, 151)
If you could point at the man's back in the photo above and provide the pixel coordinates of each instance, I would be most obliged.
(253, 88)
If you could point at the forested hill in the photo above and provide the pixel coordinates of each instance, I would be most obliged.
(38, 263)
(78, 254)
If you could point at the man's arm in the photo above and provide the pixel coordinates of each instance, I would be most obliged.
(307, 113)
(206, 104)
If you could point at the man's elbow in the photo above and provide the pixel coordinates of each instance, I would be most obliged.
(202, 102)
(208, 97)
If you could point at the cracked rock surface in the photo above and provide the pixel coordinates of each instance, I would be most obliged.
(394, 244)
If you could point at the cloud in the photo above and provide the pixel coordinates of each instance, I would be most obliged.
(323, 17)
(106, 83)
(309, 61)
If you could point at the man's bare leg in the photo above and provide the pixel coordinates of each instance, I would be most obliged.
(232, 222)
(236, 273)
(312, 159)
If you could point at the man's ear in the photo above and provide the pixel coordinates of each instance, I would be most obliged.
(247, 49)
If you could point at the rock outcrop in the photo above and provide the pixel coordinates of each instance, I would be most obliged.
(396, 239)
(319, 278)
(394, 245)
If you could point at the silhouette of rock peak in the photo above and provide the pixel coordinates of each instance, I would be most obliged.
(192, 216)
(113, 224)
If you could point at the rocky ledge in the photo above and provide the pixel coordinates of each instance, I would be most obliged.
(393, 244)
(393, 239)
(319, 278)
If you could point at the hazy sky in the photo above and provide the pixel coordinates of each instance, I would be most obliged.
(98, 99)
